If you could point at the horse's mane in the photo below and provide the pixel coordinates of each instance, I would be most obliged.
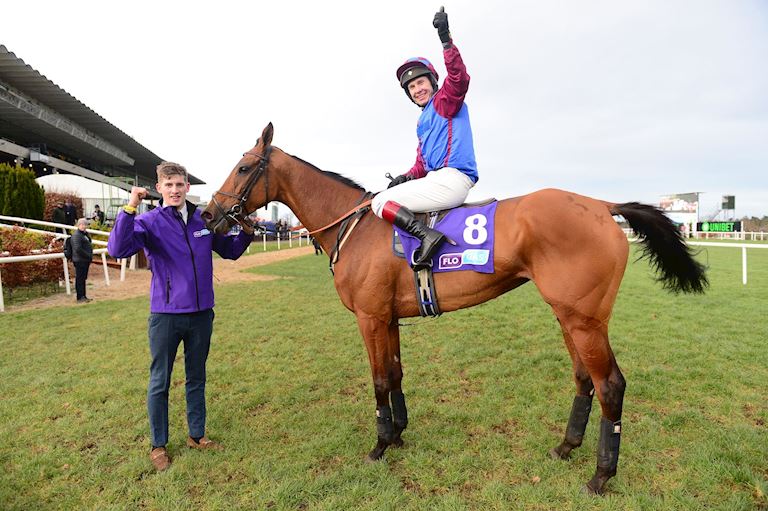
(338, 177)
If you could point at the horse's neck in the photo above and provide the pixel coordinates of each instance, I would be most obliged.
(314, 197)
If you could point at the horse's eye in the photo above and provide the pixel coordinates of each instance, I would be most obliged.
(242, 169)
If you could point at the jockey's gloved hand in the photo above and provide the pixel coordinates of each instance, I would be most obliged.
(441, 24)
(402, 178)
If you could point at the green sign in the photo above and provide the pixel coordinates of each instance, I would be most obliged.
(718, 226)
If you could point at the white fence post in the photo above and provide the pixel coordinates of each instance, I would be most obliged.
(744, 265)
(2, 302)
(66, 276)
(106, 269)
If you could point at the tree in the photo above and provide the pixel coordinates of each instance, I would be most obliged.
(20, 195)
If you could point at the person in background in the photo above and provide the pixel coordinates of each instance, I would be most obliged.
(98, 215)
(70, 212)
(59, 216)
(82, 255)
(179, 251)
(316, 244)
(445, 168)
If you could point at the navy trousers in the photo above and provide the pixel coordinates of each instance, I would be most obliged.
(81, 275)
(166, 332)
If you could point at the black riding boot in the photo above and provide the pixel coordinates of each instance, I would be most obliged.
(431, 239)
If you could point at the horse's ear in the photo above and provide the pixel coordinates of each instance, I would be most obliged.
(266, 135)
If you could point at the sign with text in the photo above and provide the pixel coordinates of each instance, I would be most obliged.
(718, 226)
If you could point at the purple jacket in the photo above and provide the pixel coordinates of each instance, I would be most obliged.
(179, 255)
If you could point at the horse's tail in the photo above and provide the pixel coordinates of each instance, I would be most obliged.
(664, 247)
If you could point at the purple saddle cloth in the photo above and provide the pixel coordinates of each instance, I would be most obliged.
(472, 230)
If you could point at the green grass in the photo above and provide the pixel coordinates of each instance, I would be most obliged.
(489, 392)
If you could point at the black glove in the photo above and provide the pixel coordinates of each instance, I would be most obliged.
(441, 24)
(402, 178)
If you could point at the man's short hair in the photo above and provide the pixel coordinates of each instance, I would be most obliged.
(167, 169)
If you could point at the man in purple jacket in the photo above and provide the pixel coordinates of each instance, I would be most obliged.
(445, 158)
(178, 247)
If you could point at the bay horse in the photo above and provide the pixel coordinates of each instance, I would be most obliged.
(569, 245)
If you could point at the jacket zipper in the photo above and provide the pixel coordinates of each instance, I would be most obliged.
(192, 255)
(168, 290)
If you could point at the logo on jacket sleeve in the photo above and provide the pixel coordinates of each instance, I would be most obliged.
(201, 233)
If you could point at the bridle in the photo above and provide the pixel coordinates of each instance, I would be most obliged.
(237, 213)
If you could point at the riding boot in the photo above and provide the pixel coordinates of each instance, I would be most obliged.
(431, 239)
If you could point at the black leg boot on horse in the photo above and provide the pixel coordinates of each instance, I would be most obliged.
(431, 239)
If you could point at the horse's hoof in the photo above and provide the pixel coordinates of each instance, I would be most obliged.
(588, 490)
(556, 454)
(397, 442)
(374, 455)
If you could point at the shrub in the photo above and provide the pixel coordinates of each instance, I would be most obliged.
(17, 242)
(52, 199)
(20, 195)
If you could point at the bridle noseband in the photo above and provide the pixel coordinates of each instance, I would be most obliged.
(237, 213)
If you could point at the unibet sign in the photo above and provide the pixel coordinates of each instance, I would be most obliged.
(718, 226)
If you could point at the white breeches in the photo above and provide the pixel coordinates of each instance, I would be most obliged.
(440, 189)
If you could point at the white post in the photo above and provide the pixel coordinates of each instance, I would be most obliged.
(2, 302)
(290, 240)
(134, 261)
(264, 241)
(66, 275)
(123, 264)
(106, 270)
(278, 240)
(744, 265)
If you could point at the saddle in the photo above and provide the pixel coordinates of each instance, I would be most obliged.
(426, 293)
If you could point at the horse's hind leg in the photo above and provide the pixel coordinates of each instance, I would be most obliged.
(582, 404)
(590, 340)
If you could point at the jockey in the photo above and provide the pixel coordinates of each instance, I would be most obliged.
(445, 157)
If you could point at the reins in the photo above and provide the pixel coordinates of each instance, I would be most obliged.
(356, 209)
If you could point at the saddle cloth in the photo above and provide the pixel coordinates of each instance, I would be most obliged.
(471, 226)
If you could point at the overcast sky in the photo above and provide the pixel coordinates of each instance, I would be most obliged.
(614, 99)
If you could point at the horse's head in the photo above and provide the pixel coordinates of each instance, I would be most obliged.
(245, 190)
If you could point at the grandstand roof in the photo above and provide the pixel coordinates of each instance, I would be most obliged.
(35, 111)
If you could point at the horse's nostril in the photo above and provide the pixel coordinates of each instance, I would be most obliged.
(206, 215)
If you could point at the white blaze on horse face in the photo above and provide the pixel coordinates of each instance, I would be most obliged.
(173, 189)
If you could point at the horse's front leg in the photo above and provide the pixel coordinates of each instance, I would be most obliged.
(376, 334)
(399, 410)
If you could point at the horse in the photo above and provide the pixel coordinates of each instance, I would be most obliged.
(568, 245)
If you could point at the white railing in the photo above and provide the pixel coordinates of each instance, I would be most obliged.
(56, 255)
(742, 246)
(297, 235)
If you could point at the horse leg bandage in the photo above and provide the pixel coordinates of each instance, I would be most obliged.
(577, 423)
(399, 412)
(384, 426)
(608, 446)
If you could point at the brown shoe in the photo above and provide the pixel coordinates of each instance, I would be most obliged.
(205, 444)
(160, 458)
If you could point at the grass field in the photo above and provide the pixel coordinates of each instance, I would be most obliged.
(489, 391)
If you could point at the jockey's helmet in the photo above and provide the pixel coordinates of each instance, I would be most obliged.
(414, 68)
